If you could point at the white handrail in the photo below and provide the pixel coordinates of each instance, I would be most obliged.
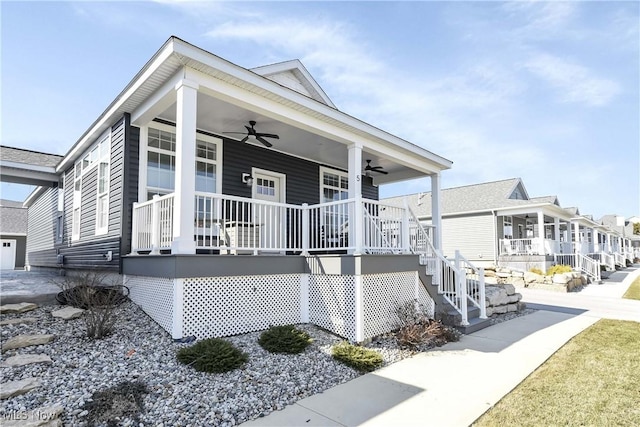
(474, 283)
(587, 265)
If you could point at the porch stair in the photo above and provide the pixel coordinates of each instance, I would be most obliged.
(446, 313)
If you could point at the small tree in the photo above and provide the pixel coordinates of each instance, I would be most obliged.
(99, 296)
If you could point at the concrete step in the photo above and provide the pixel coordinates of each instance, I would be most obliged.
(474, 325)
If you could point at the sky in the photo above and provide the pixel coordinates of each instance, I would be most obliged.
(545, 91)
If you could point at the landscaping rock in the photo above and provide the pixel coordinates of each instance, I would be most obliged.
(501, 309)
(490, 280)
(16, 388)
(512, 307)
(68, 313)
(509, 288)
(561, 279)
(518, 282)
(495, 296)
(18, 321)
(517, 273)
(503, 275)
(530, 277)
(42, 417)
(26, 341)
(17, 308)
(25, 359)
(514, 298)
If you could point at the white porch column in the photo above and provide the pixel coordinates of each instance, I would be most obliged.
(576, 236)
(184, 198)
(608, 242)
(594, 240)
(556, 230)
(436, 209)
(355, 193)
(541, 234)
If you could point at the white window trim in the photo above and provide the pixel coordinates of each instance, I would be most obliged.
(143, 188)
(283, 182)
(105, 158)
(340, 173)
(91, 159)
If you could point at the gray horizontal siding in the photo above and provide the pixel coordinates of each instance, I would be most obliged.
(472, 235)
(41, 222)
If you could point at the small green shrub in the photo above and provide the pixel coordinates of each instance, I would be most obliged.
(536, 271)
(359, 358)
(559, 269)
(213, 355)
(284, 339)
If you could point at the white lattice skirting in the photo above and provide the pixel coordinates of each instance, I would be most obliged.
(354, 307)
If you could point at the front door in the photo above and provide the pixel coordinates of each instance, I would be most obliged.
(270, 216)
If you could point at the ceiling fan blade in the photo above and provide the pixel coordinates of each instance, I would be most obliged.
(382, 172)
(245, 138)
(267, 135)
(239, 133)
(264, 141)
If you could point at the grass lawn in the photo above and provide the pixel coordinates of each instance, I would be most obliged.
(634, 290)
(593, 380)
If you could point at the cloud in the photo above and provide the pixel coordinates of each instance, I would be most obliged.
(575, 83)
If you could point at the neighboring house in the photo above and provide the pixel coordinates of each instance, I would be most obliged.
(499, 223)
(13, 234)
(234, 199)
(625, 243)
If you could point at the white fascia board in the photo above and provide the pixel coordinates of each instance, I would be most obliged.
(96, 128)
(27, 167)
(33, 196)
(287, 94)
(158, 102)
(311, 123)
(548, 209)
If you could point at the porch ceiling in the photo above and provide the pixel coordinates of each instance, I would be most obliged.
(220, 117)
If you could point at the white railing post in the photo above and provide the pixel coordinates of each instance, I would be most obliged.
(155, 226)
(483, 302)
(461, 291)
(406, 244)
(134, 228)
(305, 229)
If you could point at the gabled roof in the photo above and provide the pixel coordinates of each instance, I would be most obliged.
(29, 157)
(248, 90)
(293, 75)
(469, 198)
(573, 211)
(13, 217)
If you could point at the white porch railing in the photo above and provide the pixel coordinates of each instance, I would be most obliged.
(385, 228)
(533, 246)
(327, 225)
(458, 282)
(474, 278)
(580, 262)
(153, 224)
(605, 259)
(619, 259)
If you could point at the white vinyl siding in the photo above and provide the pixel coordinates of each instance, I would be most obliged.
(473, 236)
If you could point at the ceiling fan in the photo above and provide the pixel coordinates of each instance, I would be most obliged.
(259, 136)
(370, 168)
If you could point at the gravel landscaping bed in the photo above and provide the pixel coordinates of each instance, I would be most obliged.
(139, 350)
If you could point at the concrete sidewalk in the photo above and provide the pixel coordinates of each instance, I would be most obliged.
(18, 286)
(457, 383)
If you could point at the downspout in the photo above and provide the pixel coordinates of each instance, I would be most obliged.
(495, 238)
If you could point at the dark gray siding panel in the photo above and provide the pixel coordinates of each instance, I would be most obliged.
(303, 176)
(41, 223)
(129, 182)
(116, 181)
(238, 158)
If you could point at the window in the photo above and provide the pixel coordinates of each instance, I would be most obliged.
(266, 187)
(102, 201)
(507, 227)
(95, 161)
(161, 162)
(334, 186)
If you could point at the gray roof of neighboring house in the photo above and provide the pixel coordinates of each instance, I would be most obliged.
(545, 199)
(469, 198)
(13, 217)
(20, 155)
